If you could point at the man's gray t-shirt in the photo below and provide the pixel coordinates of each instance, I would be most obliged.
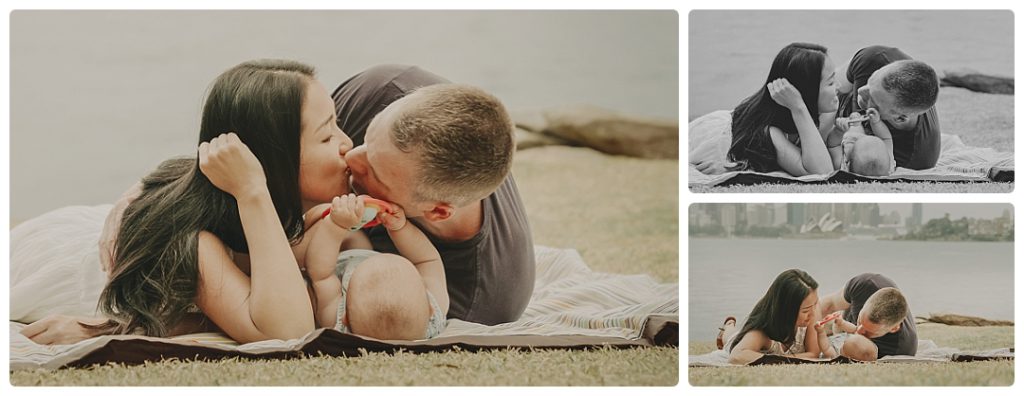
(490, 276)
(857, 292)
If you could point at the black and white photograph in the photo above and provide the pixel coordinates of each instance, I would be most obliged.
(851, 294)
(850, 101)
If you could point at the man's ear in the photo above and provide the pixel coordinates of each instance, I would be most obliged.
(896, 327)
(440, 211)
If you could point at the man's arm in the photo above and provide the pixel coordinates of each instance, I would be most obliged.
(833, 302)
(844, 85)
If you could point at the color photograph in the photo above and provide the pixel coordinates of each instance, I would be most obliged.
(851, 294)
(344, 198)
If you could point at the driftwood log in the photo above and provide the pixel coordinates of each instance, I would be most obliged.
(963, 320)
(600, 129)
(975, 81)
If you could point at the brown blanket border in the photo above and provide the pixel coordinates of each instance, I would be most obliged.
(659, 330)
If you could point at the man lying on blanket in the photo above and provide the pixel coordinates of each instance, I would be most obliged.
(874, 308)
(904, 92)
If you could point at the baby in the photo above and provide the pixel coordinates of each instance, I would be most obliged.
(864, 154)
(384, 296)
(847, 343)
(855, 346)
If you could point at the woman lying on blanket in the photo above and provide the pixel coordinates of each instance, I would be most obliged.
(219, 238)
(790, 123)
(779, 323)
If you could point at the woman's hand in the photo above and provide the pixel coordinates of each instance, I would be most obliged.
(231, 166)
(785, 94)
(61, 329)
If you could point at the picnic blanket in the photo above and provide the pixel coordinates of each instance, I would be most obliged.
(572, 307)
(927, 351)
(711, 134)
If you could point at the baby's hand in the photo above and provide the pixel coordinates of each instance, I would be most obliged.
(347, 211)
(393, 220)
(843, 124)
(877, 126)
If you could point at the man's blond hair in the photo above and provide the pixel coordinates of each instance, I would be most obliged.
(888, 307)
(463, 137)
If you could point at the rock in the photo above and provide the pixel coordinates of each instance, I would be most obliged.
(529, 120)
(974, 81)
(526, 139)
(614, 133)
(963, 320)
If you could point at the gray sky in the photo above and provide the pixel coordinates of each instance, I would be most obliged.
(955, 210)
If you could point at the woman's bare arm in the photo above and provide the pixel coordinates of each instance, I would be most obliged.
(273, 302)
(112, 225)
(749, 347)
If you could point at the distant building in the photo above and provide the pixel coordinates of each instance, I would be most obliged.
(893, 218)
(826, 223)
(795, 215)
(781, 214)
(916, 218)
(761, 215)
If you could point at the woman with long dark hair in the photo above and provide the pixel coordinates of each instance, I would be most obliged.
(785, 124)
(782, 322)
(213, 234)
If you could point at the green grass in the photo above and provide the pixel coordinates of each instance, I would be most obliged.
(622, 215)
(998, 373)
(981, 120)
(598, 367)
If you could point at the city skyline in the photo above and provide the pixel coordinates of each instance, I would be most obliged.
(955, 210)
(910, 215)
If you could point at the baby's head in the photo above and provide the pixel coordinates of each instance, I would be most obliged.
(860, 348)
(387, 299)
(868, 156)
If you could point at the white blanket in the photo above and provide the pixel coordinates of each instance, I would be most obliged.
(927, 351)
(568, 298)
(711, 134)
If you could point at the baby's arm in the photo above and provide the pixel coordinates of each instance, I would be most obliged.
(882, 131)
(834, 141)
(845, 326)
(823, 344)
(322, 256)
(413, 244)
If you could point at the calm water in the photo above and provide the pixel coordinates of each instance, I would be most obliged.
(730, 51)
(99, 98)
(728, 276)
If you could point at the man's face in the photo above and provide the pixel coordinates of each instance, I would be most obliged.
(379, 168)
(873, 95)
(869, 329)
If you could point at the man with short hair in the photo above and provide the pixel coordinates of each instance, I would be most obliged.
(443, 153)
(903, 91)
(879, 310)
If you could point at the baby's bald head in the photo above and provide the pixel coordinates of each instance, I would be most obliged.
(387, 299)
(870, 157)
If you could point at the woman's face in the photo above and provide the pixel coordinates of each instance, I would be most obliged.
(807, 308)
(827, 100)
(323, 172)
